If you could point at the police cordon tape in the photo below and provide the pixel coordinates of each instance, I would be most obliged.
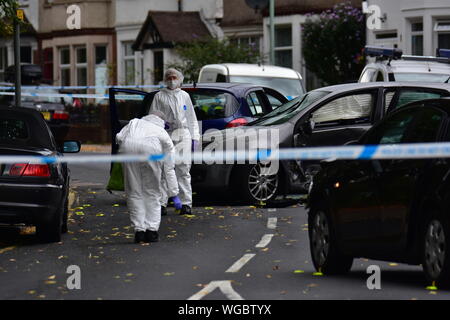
(76, 95)
(364, 152)
(81, 87)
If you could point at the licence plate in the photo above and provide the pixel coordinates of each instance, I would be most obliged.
(47, 115)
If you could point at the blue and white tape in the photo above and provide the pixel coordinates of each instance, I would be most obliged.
(399, 151)
(82, 87)
(77, 95)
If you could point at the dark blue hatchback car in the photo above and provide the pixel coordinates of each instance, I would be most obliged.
(217, 105)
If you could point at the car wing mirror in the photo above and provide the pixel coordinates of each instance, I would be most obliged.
(71, 146)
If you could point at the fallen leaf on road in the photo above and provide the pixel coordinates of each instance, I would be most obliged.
(50, 282)
(317, 274)
(167, 274)
(116, 205)
(31, 292)
(393, 264)
(299, 271)
(269, 276)
(79, 213)
(100, 214)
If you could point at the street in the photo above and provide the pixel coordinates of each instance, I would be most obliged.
(229, 248)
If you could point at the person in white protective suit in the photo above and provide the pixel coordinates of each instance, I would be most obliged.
(143, 179)
(183, 129)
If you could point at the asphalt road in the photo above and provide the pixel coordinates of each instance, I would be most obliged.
(195, 254)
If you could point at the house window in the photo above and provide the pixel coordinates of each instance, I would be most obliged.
(417, 38)
(25, 54)
(443, 32)
(64, 65)
(128, 63)
(81, 66)
(158, 66)
(100, 54)
(47, 71)
(251, 41)
(283, 46)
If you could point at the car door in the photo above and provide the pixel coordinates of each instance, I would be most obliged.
(404, 96)
(126, 104)
(399, 178)
(339, 120)
(359, 195)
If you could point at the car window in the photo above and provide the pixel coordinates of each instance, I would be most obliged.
(426, 126)
(130, 105)
(274, 101)
(410, 95)
(291, 88)
(255, 104)
(421, 77)
(388, 99)
(13, 129)
(213, 104)
(392, 129)
(356, 107)
(379, 77)
(368, 75)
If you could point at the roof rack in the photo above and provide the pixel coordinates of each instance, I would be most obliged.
(425, 58)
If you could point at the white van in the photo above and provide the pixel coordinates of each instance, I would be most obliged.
(287, 81)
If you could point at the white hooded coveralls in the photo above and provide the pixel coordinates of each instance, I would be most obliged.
(179, 113)
(143, 179)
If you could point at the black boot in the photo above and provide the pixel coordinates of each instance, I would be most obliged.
(139, 237)
(163, 211)
(151, 236)
(185, 209)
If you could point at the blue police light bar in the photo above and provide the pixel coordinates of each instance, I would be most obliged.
(383, 52)
(444, 53)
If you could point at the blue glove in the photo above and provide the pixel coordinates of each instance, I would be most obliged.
(177, 202)
(194, 145)
(166, 126)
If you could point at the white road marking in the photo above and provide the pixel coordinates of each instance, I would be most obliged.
(272, 209)
(240, 263)
(272, 223)
(224, 286)
(265, 240)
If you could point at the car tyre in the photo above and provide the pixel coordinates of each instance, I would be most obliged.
(436, 250)
(64, 227)
(252, 185)
(50, 231)
(326, 256)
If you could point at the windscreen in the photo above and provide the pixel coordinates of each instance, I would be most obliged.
(291, 88)
(422, 77)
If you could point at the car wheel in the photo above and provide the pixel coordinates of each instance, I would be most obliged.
(253, 183)
(436, 246)
(64, 227)
(325, 254)
(50, 231)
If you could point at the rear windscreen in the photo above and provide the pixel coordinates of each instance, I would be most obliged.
(213, 104)
(13, 129)
(24, 130)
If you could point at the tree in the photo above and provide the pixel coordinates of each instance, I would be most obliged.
(196, 54)
(333, 44)
(7, 15)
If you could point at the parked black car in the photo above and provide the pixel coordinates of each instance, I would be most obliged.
(327, 116)
(30, 73)
(53, 109)
(394, 210)
(33, 194)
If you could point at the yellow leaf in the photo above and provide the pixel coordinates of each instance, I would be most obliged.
(167, 274)
(51, 277)
(50, 282)
(32, 292)
(115, 205)
(299, 271)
